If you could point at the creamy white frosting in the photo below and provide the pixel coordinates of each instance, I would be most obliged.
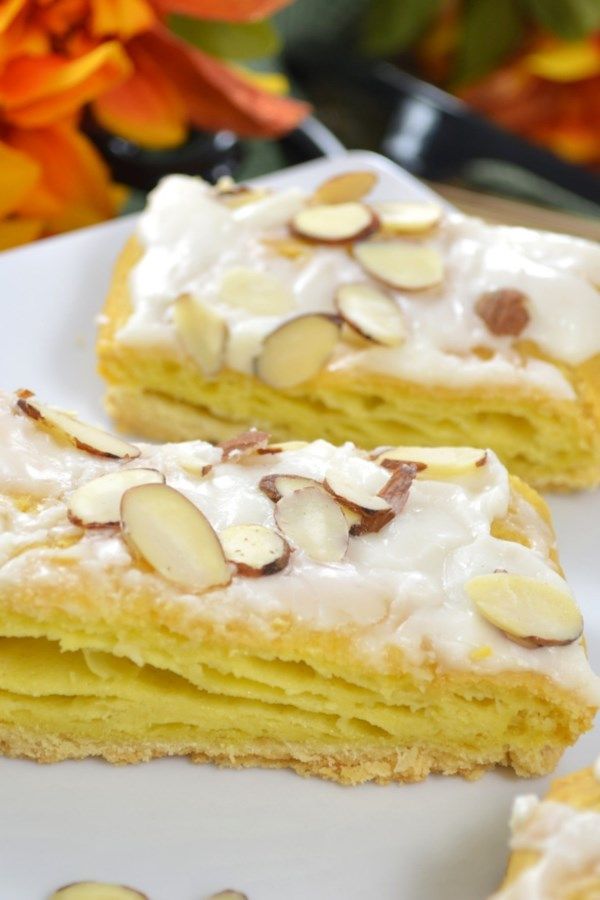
(567, 841)
(191, 240)
(404, 586)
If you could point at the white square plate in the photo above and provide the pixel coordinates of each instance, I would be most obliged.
(179, 831)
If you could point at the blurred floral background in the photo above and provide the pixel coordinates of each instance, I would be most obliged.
(93, 90)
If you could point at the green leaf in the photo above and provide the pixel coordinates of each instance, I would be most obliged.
(228, 40)
(569, 19)
(393, 25)
(491, 30)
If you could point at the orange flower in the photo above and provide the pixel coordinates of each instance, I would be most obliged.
(56, 56)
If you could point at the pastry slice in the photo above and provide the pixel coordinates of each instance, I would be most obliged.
(357, 616)
(556, 842)
(353, 316)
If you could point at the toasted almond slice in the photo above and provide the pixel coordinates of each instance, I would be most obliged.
(283, 446)
(202, 333)
(399, 265)
(503, 311)
(228, 894)
(530, 612)
(407, 218)
(98, 502)
(245, 444)
(278, 486)
(345, 188)
(297, 350)
(334, 224)
(85, 437)
(371, 313)
(258, 292)
(312, 520)
(396, 490)
(255, 550)
(288, 247)
(236, 195)
(356, 485)
(436, 462)
(174, 537)
(353, 518)
(96, 890)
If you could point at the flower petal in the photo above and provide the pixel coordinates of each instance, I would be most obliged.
(229, 11)
(147, 108)
(14, 232)
(123, 18)
(74, 188)
(18, 174)
(215, 96)
(9, 11)
(36, 91)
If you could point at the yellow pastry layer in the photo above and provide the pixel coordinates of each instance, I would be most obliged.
(551, 442)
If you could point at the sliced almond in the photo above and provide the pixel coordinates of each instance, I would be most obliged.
(96, 890)
(297, 350)
(530, 612)
(236, 195)
(288, 247)
(436, 462)
(353, 518)
(245, 444)
(503, 311)
(228, 894)
(258, 292)
(85, 437)
(396, 490)
(255, 550)
(284, 446)
(335, 223)
(353, 486)
(174, 537)
(407, 218)
(345, 188)
(203, 333)
(399, 265)
(371, 313)
(312, 520)
(278, 486)
(98, 502)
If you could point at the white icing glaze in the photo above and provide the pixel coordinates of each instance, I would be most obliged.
(404, 586)
(568, 843)
(192, 240)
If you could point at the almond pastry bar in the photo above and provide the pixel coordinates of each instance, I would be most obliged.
(556, 842)
(327, 316)
(353, 615)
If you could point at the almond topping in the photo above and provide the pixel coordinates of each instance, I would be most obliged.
(284, 446)
(260, 293)
(97, 503)
(399, 265)
(371, 313)
(85, 437)
(96, 890)
(407, 218)
(504, 311)
(335, 223)
(288, 247)
(396, 490)
(530, 612)
(435, 462)
(174, 537)
(312, 520)
(356, 484)
(255, 550)
(236, 195)
(278, 486)
(297, 350)
(203, 334)
(228, 894)
(245, 444)
(345, 188)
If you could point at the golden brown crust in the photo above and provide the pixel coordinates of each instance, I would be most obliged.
(550, 442)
